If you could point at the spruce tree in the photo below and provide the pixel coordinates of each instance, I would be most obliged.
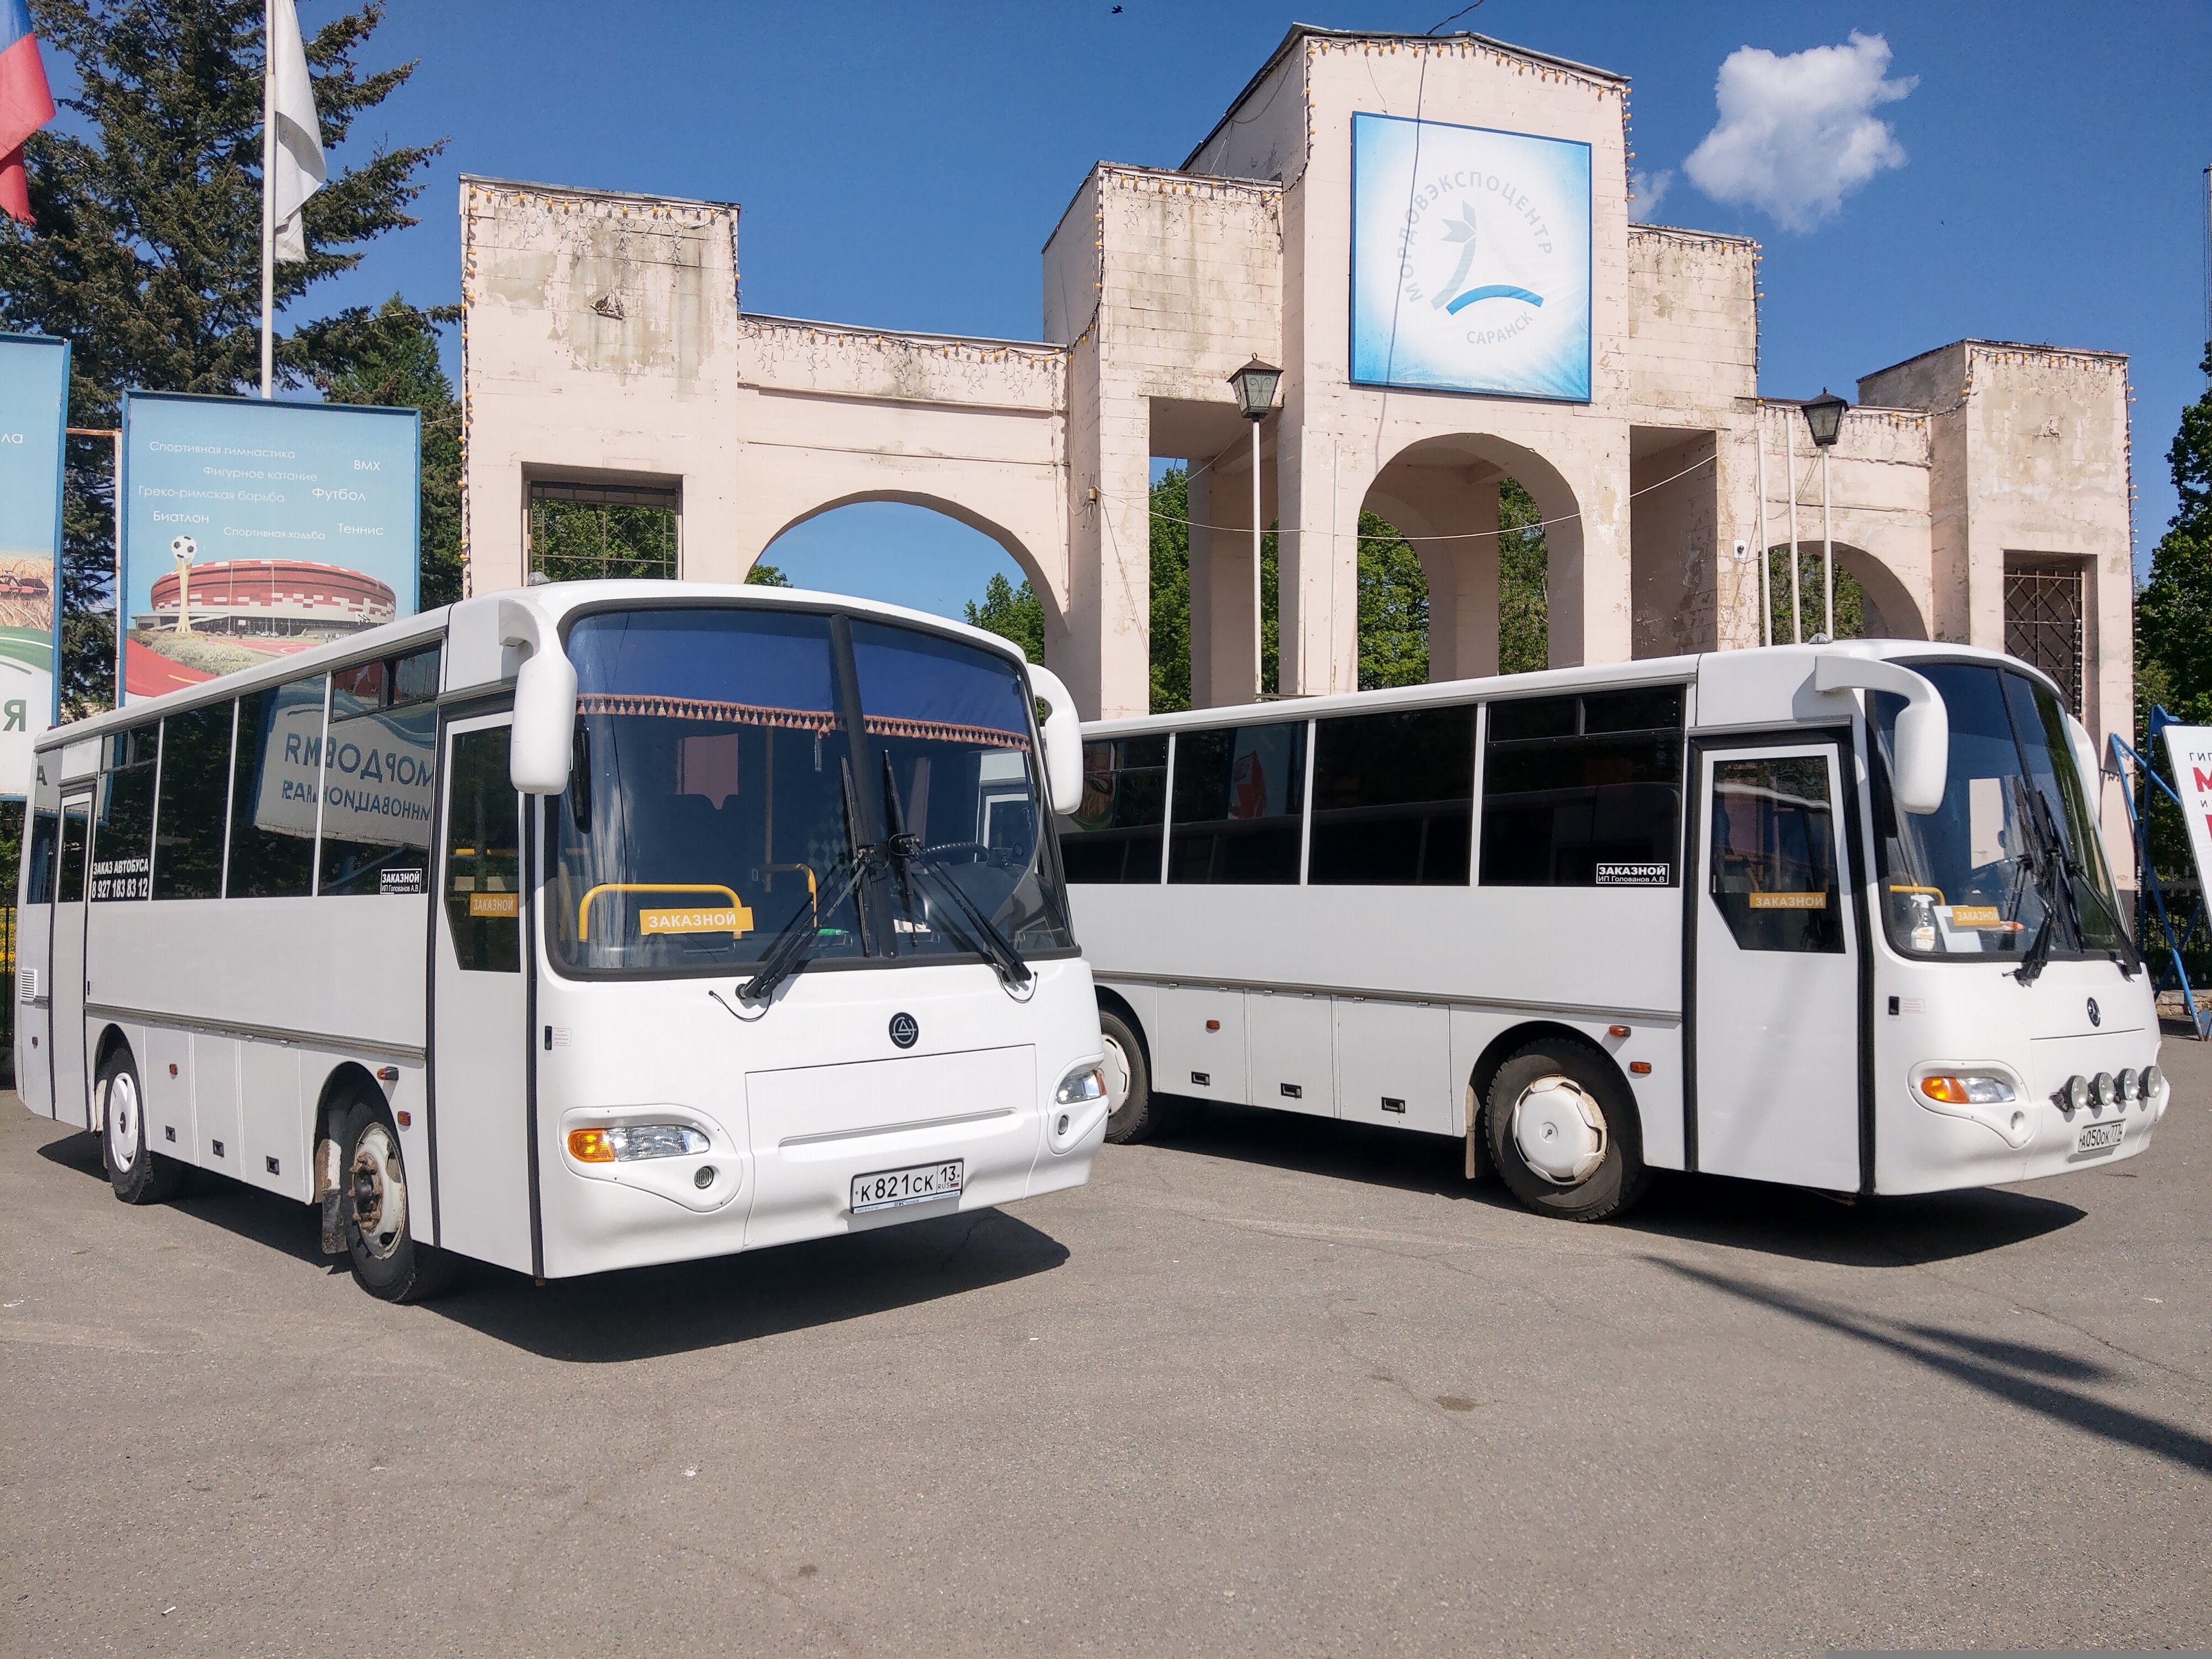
(145, 252)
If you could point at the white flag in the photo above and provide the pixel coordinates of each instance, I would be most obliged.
(296, 170)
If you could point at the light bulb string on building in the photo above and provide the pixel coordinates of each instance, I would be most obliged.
(1459, 536)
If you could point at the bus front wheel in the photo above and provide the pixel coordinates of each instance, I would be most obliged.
(138, 1173)
(388, 1261)
(1562, 1133)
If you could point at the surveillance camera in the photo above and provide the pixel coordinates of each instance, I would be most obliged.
(184, 548)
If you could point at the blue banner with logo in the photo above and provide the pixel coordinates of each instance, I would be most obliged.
(255, 529)
(1470, 259)
(35, 374)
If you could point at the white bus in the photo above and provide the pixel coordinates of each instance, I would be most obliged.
(1835, 916)
(594, 925)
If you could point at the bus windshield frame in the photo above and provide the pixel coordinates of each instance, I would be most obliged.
(737, 766)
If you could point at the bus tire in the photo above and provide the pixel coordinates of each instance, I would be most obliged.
(376, 1210)
(139, 1174)
(1562, 1133)
(1135, 1113)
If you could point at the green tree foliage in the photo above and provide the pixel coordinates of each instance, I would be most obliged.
(1170, 581)
(1394, 607)
(2173, 612)
(1851, 597)
(771, 575)
(593, 541)
(400, 369)
(1524, 556)
(145, 253)
(1013, 613)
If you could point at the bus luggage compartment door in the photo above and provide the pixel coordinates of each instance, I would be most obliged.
(1776, 1003)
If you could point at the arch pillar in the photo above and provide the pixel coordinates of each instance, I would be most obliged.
(1451, 514)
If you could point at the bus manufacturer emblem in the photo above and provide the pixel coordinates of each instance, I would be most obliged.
(904, 1032)
(2095, 1018)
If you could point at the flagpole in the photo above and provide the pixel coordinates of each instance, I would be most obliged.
(268, 186)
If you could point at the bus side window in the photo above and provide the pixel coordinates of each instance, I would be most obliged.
(1774, 854)
(274, 773)
(1584, 791)
(1239, 805)
(1392, 798)
(1114, 836)
(195, 794)
(45, 838)
(75, 826)
(483, 856)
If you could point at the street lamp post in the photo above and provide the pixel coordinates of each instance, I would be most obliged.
(1256, 385)
(1824, 416)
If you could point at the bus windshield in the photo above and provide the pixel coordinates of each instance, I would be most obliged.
(735, 767)
(1959, 882)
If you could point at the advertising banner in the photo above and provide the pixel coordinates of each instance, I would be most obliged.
(1470, 259)
(33, 411)
(253, 530)
(2188, 755)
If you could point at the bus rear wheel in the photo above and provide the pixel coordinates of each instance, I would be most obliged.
(388, 1261)
(138, 1173)
(1562, 1133)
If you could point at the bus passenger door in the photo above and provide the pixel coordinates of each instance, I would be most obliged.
(480, 1065)
(1776, 1015)
(63, 1017)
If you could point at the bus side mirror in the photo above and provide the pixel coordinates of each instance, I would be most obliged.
(1063, 741)
(545, 704)
(1922, 757)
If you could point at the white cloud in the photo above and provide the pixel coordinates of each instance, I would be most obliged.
(1797, 134)
(1650, 189)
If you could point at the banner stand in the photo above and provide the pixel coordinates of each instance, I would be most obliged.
(2150, 891)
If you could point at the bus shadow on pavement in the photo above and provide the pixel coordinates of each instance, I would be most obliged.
(640, 1313)
(1746, 1215)
(2026, 1375)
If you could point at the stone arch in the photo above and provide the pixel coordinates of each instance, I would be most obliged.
(1441, 492)
(1890, 611)
(1040, 577)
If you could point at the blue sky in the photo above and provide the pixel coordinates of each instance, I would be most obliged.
(902, 166)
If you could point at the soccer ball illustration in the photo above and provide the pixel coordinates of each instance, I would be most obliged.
(184, 548)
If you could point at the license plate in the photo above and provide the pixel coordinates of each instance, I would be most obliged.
(2100, 1137)
(887, 1189)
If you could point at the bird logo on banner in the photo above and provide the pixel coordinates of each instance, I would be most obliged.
(26, 105)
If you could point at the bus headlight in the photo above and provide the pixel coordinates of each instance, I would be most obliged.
(2076, 1091)
(1967, 1089)
(1081, 1086)
(2106, 1088)
(623, 1143)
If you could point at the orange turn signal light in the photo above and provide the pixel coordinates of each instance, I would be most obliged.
(1951, 1090)
(592, 1145)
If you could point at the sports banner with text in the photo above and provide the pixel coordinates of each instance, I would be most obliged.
(1470, 259)
(35, 374)
(253, 530)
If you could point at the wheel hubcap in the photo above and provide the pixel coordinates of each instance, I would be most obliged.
(122, 1121)
(1559, 1130)
(1117, 1077)
(379, 1191)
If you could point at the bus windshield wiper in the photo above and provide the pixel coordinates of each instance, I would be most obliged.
(2053, 869)
(979, 933)
(795, 941)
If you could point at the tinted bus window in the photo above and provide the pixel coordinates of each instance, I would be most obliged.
(1774, 854)
(483, 856)
(194, 800)
(1583, 792)
(1114, 835)
(1239, 799)
(1394, 798)
(378, 772)
(274, 775)
(123, 816)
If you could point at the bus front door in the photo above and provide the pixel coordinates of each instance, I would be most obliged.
(1775, 1014)
(480, 1065)
(65, 987)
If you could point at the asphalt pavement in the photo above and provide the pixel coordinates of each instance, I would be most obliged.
(1278, 1386)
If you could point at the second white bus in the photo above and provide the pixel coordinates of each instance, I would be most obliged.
(580, 927)
(1834, 916)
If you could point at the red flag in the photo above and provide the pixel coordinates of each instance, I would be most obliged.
(26, 105)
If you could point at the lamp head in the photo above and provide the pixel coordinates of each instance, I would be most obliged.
(1256, 385)
(1824, 415)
